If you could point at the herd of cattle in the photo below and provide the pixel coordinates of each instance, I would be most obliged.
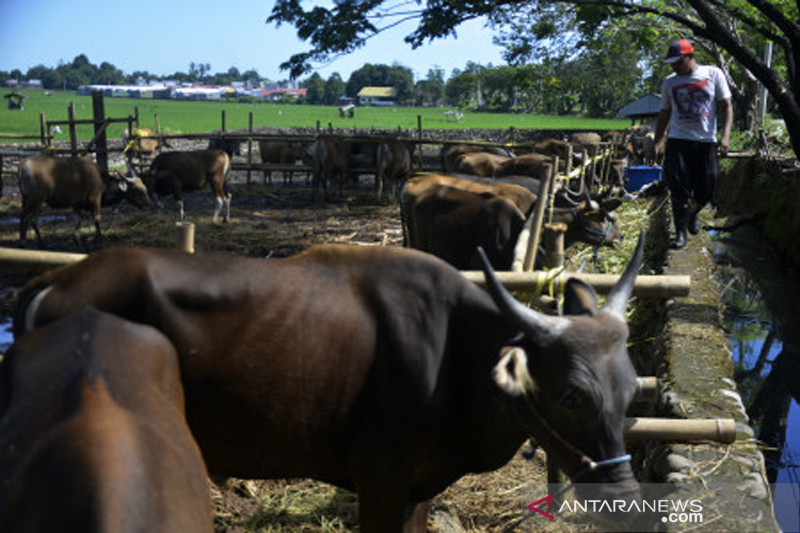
(482, 196)
(136, 373)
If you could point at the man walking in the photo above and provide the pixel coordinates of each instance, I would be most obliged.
(689, 100)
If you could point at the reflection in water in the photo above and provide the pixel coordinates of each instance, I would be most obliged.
(763, 322)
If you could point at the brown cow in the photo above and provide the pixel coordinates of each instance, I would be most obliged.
(532, 165)
(71, 182)
(92, 432)
(281, 153)
(450, 153)
(372, 368)
(394, 165)
(449, 217)
(175, 172)
(480, 164)
(330, 160)
(587, 141)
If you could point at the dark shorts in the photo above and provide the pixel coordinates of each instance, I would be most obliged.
(691, 170)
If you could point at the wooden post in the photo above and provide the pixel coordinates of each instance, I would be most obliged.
(73, 135)
(554, 244)
(419, 127)
(249, 146)
(223, 120)
(101, 146)
(43, 130)
(184, 233)
(536, 229)
(568, 162)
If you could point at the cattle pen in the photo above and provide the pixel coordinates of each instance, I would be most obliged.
(700, 464)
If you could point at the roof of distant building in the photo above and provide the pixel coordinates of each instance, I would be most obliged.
(378, 92)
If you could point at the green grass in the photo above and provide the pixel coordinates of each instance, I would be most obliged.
(198, 117)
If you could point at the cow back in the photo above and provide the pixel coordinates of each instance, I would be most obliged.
(105, 442)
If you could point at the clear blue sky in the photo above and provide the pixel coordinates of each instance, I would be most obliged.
(165, 36)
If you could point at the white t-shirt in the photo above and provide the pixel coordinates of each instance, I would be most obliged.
(692, 99)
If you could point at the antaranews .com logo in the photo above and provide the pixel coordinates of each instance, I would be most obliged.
(671, 511)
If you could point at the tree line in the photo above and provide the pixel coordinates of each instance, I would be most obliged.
(555, 86)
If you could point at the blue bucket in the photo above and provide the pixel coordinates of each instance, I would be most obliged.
(637, 176)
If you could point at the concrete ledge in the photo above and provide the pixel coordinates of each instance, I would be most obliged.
(697, 373)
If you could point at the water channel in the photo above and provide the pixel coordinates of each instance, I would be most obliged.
(762, 319)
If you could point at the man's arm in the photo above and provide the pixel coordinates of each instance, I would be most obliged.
(661, 130)
(726, 116)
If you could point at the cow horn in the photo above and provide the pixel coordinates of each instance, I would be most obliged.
(617, 299)
(542, 327)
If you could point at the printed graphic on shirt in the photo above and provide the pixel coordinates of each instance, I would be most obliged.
(693, 101)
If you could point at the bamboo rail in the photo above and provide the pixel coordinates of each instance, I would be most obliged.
(721, 430)
(646, 286)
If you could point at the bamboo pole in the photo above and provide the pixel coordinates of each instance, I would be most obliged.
(721, 430)
(538, 220)
(36, 259)
(646, 389)
(646, 286)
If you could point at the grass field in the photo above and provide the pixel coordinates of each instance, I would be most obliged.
(197, 117)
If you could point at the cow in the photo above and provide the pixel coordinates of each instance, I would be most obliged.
(480, 163)
(281, 153)
(449, 217)
(451, 221)
(219, 141)
(450, 153)
(394, 165)
(376, 369)
(175, 172)
(587, 140)
(92, 432)
(532, 165)
(75, 182)
(330, 163)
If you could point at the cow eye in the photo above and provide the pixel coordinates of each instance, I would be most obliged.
(569, 400)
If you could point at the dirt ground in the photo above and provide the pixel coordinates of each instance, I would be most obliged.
(278, 221)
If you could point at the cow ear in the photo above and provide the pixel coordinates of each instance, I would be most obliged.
(579, 298)
(511, 373)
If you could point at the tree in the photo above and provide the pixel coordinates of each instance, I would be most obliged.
(430, 91)
(315, 89)
(735, 28)
(397, 76)
(334, 89)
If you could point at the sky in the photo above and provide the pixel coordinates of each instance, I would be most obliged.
(165, 36)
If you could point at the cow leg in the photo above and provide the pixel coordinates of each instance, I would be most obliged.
(227, 207)
(383, 507)
(77, 227)
(217, 208)
(180, 206)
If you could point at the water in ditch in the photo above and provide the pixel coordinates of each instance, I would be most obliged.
(762, 318)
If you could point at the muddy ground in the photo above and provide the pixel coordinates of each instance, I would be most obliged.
(278, 221)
